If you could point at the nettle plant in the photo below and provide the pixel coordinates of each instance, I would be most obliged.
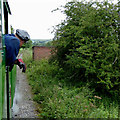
(87, 43)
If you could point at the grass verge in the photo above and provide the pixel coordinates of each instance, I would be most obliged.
(60, 99)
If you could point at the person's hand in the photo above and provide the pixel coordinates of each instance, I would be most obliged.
(21, 64)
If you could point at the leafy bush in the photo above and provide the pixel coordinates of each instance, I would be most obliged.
(87, 44)
(59, 99)
(27, 44)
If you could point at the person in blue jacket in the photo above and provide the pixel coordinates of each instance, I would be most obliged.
(13, 42)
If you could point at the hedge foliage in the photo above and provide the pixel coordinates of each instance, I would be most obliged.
(88, 45)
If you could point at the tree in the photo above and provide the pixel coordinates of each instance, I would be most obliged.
(87, 43)
(27, 44)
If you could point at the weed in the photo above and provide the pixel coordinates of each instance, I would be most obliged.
(60, 99)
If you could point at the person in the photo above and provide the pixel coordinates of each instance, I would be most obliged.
(13, 42)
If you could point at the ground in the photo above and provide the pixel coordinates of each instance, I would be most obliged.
(23, 106)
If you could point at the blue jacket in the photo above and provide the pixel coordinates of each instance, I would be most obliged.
(12, 44)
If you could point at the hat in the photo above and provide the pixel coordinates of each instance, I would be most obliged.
(23, 35)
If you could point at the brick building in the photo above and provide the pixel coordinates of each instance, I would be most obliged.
(40, 52)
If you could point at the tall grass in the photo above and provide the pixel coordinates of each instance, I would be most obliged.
(59, 99)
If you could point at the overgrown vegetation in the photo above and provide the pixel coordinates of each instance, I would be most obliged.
(60, 99)
(81, 80)
(87, 44)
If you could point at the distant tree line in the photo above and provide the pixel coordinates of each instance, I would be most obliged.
(41, 42)
(31, 43)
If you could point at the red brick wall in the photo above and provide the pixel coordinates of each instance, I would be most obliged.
(40, 52)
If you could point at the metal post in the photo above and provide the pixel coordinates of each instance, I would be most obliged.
(7, 86)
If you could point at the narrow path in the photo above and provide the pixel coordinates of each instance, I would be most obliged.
(24, 106)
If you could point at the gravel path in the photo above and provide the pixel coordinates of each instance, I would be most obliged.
(24, 106)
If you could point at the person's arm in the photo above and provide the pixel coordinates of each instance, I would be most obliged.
(21, 64)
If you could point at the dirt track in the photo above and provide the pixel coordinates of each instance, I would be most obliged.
(23, 106)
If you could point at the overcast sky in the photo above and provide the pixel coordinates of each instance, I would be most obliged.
(36, 17)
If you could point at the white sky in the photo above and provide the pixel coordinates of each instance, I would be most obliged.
(35, 16)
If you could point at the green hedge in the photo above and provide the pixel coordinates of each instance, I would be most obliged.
(87, 44)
